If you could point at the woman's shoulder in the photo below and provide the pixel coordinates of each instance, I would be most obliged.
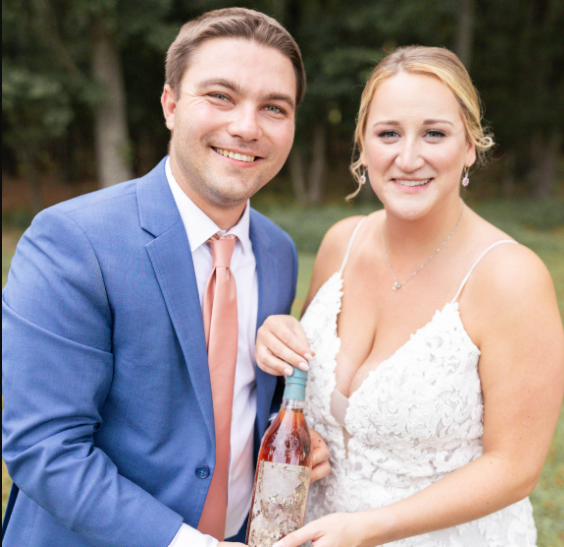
(336, 242)
(333, 250)
(505, 265)
(509, 281)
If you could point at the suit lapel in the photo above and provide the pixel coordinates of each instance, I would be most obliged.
(267, 271)
(172, 262)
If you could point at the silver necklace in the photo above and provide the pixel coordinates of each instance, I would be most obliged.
(397, 285)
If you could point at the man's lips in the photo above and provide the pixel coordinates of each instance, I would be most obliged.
(239, 156)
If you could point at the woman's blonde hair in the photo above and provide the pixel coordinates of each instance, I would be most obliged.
(432, 61)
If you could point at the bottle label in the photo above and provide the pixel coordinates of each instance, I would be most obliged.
(280, 502)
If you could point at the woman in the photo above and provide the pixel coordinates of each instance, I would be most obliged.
(438, 368)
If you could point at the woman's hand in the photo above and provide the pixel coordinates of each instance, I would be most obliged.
(281, 342)
(336, 530)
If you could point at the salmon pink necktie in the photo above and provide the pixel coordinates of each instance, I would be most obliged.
(220, 327)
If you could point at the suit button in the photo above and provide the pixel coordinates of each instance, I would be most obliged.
(203, 472)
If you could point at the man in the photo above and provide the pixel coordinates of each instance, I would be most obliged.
(115, 428)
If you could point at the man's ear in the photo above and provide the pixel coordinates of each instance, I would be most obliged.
(168, 102)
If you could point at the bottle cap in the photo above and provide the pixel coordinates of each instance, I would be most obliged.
(295, 385)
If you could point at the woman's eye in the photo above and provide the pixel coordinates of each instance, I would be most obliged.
(435, 134)
(388, 134)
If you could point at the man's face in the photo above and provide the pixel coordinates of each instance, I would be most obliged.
(232, 121)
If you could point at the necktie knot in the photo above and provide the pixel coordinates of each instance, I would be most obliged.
(222, 248)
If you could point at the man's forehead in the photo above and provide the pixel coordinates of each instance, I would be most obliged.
(243, 66)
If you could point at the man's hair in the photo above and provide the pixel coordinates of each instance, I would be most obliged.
(232, 23)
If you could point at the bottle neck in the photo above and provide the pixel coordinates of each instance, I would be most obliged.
(294, 391)
(293, 404)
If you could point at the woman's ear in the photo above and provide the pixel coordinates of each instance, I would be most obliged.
(470, 154)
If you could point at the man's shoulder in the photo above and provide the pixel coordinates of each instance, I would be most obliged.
(118, 204)
(94, 202)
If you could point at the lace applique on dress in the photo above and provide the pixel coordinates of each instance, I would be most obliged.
(417, 417)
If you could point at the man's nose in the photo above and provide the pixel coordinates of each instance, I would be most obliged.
(245, 123)
(409, 158)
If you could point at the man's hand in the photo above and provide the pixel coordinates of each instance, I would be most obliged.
(321, 466)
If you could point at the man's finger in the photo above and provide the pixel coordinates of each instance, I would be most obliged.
(320, 472)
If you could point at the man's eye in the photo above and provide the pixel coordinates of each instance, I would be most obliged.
(274, 109)
(219, 96)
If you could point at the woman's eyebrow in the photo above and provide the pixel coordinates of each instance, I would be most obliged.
(433, 122)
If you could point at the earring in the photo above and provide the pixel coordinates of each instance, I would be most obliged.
(465, 180)
(362, 178)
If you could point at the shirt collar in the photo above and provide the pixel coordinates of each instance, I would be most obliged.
(199, 226)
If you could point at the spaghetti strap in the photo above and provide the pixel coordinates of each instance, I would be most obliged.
(350, 245)
(476, 263)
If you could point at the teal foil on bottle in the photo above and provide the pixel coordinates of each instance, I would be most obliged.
(295, 385)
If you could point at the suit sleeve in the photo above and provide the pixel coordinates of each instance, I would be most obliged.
(57, 371)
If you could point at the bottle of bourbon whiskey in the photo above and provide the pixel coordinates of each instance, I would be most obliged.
(283, 470)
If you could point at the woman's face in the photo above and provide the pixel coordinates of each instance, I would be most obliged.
(415, 145)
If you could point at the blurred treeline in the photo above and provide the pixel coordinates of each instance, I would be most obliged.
(81, 81)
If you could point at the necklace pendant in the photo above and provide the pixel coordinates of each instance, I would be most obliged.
(395, 286)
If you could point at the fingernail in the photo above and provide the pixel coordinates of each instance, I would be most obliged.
(289, 371)
(308, 356)
(303, 366)
(279, 544)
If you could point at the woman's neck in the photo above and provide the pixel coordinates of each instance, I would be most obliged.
(421, 237)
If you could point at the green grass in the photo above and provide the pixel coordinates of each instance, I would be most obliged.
(538, 225)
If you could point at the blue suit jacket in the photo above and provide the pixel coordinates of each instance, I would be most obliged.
(108, 425)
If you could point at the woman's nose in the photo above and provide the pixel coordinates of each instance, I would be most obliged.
(409, 158)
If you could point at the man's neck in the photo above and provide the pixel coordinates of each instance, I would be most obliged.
(225, 217)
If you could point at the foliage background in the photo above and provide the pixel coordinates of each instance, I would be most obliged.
(75, 71)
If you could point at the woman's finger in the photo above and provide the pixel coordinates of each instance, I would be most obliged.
(275, 347)
(290, 334)
(297, 538)
(271, 364)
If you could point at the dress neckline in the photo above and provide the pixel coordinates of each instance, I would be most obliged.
(401, 349)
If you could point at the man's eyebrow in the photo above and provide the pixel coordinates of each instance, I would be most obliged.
(279, 97)
(220, 82)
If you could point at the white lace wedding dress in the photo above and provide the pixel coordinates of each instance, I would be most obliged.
(417, 417)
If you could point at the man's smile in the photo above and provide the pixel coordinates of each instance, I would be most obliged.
(236, 155)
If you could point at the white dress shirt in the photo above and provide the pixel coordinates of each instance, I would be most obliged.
(200, 228)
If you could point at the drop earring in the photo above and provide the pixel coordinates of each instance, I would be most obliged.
(465, 180)
(362, 178)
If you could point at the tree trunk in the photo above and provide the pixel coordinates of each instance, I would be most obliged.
(296, 164)
(544, 171)
(110, 118)
(465, 32)
(318, 165)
